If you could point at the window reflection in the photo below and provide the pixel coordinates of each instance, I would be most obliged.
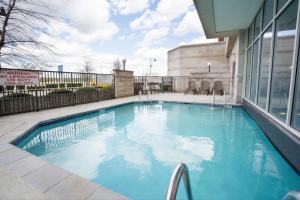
(254, 72)
(280, 4)
(250, 34)
(248, 71)
(296, 106)
(268, 11)
(283, 56)
(264, 67)
(257, 24)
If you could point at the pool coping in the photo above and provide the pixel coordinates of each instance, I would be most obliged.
(64, 186)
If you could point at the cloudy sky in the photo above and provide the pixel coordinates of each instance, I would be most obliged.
(104, 30)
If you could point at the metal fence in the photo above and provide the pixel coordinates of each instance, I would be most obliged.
(160, 84)
(196, 84)
(54, 89)
(57, 89)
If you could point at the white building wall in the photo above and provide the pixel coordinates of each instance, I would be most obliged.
(237, 66)
(184, 60)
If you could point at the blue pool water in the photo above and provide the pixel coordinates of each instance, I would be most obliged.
(133, 149)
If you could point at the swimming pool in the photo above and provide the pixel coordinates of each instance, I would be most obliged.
(133, 149)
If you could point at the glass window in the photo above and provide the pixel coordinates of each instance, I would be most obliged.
(268, 12)
(254, 72)
(283, 56)
(250, 34)
(248, 71)
(265, 58)
(296, 105)
(280, 4)
(257, 24)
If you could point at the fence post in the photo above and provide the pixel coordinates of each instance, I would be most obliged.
(37, 100)
(74, 97)
(3, 101)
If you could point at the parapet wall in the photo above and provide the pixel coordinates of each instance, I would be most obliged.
(187, 59)
(124, 83)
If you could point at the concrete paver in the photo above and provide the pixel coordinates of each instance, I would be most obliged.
(13, 188)
(105, 194)
(73, 188)
(6, 147)
(12, 155)
(46, 177)
(26, 165)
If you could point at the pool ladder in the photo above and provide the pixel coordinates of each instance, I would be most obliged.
(181, 170)
(292, 195)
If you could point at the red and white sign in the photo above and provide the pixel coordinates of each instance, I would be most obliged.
(18, 77)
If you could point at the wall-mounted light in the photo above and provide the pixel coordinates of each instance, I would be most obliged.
(208, 65)
(124, 62)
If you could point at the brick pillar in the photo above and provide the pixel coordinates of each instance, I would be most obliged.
(124, 83)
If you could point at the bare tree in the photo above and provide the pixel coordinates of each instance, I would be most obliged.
(117, 64)
(87, 67)
(26, 65)
(22, 22)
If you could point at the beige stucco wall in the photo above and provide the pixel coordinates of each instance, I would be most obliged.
(187, 59)
(124, 83)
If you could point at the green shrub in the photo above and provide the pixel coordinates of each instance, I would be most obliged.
(21, 87)
(106, 88)
(54, 85)
(37, 87)
(87, 90)
(62, 85)
(58, 92)
(74, 84)
(10, 87)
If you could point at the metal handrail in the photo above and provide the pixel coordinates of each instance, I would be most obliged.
(292, 195)
(181, 170)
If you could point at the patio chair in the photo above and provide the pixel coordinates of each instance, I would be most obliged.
(154, 87)
(191, 88)
(218, 88)
(204, 88)
(146, 88)
(166, 84)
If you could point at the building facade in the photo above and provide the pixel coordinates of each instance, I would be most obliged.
(263, 46)
(196, 58)
(203, 63)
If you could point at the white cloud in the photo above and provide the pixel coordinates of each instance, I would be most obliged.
(154, 35)
(122, 37)
(189, 23)
(127, 7)
(82, 25)
(84, 22)
(166, 11)
(139, 62)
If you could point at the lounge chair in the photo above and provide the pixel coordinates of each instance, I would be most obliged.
(191, 88)
(218, 88)
(146, 88)
(204, 88)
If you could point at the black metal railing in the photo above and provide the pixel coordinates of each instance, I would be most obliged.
(55, 89)
(183, 84)
(156, 84)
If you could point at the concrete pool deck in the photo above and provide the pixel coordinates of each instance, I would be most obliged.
(25, 176)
